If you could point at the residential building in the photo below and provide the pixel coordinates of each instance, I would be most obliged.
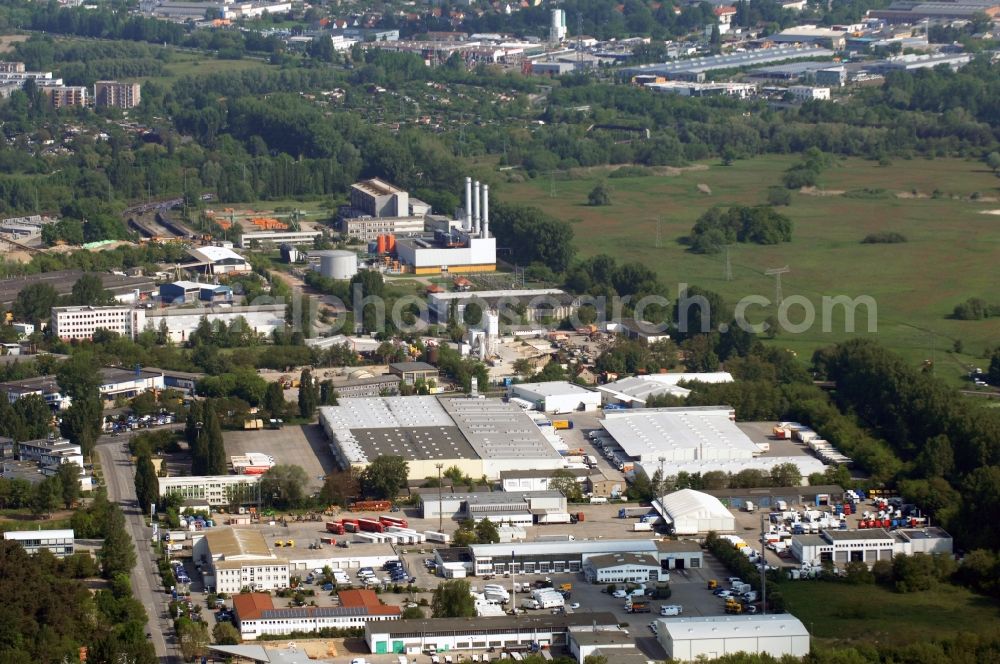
(218, 490)
(80, 322)
(622, 568)
(58, 542)
(65, 96)
(411, 372)
(44, 386)
(8, 67)
(239, 558)
(51, 452)
(690, 639)
(256, 614)
(557, 396)
(724, 16)
(113, 94)
(544, 630)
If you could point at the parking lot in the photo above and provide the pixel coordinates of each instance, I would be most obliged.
(304, 446)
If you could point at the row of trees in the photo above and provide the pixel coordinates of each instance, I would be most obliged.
(203, 433)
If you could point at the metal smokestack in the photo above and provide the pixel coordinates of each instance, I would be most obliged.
(475, 208)
(467, 224)
(485, 226)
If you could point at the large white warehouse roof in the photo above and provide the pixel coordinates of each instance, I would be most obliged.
(679, 434)
(691, 512)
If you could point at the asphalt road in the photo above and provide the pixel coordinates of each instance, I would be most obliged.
(118, 475)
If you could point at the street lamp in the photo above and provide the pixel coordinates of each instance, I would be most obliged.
(439, 466)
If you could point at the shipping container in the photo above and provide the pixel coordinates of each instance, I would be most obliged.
(394, 521)
(561, 424)
(642, 527)
(335, 527)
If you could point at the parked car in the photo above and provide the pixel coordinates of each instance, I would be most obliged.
(619, 594)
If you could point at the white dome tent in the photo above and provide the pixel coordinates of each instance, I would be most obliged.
(689, 512)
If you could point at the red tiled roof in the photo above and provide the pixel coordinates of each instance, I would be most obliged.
(358, 598)
(250, 606)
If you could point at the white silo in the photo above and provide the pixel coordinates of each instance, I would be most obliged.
(338, 264)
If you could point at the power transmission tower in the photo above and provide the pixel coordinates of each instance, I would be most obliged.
(729, 266)
(777, 272)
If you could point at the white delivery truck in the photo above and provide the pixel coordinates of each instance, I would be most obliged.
(642, 527)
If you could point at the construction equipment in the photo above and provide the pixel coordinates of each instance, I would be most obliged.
(713, 584)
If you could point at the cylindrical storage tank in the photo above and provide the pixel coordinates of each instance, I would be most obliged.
(390, 243)
(381, 244)
(338, 264)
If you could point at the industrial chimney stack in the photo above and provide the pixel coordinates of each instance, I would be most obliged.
(485, 228)
(467, 224)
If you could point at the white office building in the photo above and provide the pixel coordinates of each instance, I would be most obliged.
(217, 490)
(622, 568)
(70, 323)
(59, 542)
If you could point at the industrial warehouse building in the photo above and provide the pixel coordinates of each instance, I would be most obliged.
(687, 639)
(622, 568)
(256, 614)
(693, 440)
(543, 303)
(557, 557)
(480, 436)
(239, 558)
(868, 546)
(500, 507)
(634, 391)
(689, 512)
(443, 635)
(218, 260)
(557, 396)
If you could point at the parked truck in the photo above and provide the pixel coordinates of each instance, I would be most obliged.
(638, 607)
(632, 512)
(561, 424)
(642, 527)
(554, 517)
(370, 526)
(335, 527)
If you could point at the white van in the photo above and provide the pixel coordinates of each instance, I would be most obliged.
(671, 610)
(598, 500)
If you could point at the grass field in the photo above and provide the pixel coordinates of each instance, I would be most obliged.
(837, 613)
(949, 257)
(195, 64)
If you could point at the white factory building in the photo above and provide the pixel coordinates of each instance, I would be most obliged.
(557, 396)
(622, 568)
(256, 614)
(694, 440)
(689, 512)
(634, 391)
(240, 558)
(216, 490)
(219, 260)
(868, 546)
(480, 436)
(261, 319)
(688, 639)
(58, 542)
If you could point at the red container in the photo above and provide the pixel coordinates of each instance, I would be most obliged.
(580, 516)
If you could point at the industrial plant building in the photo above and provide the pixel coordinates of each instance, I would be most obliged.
(557, 396)
(412, 637)
(691, 639)
(500, 507)
(480, 436)
(694, 440)
(843, 546)
(634, 391)
(560, 557)
(538, 305)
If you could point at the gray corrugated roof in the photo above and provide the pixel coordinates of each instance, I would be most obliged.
(480, 624)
